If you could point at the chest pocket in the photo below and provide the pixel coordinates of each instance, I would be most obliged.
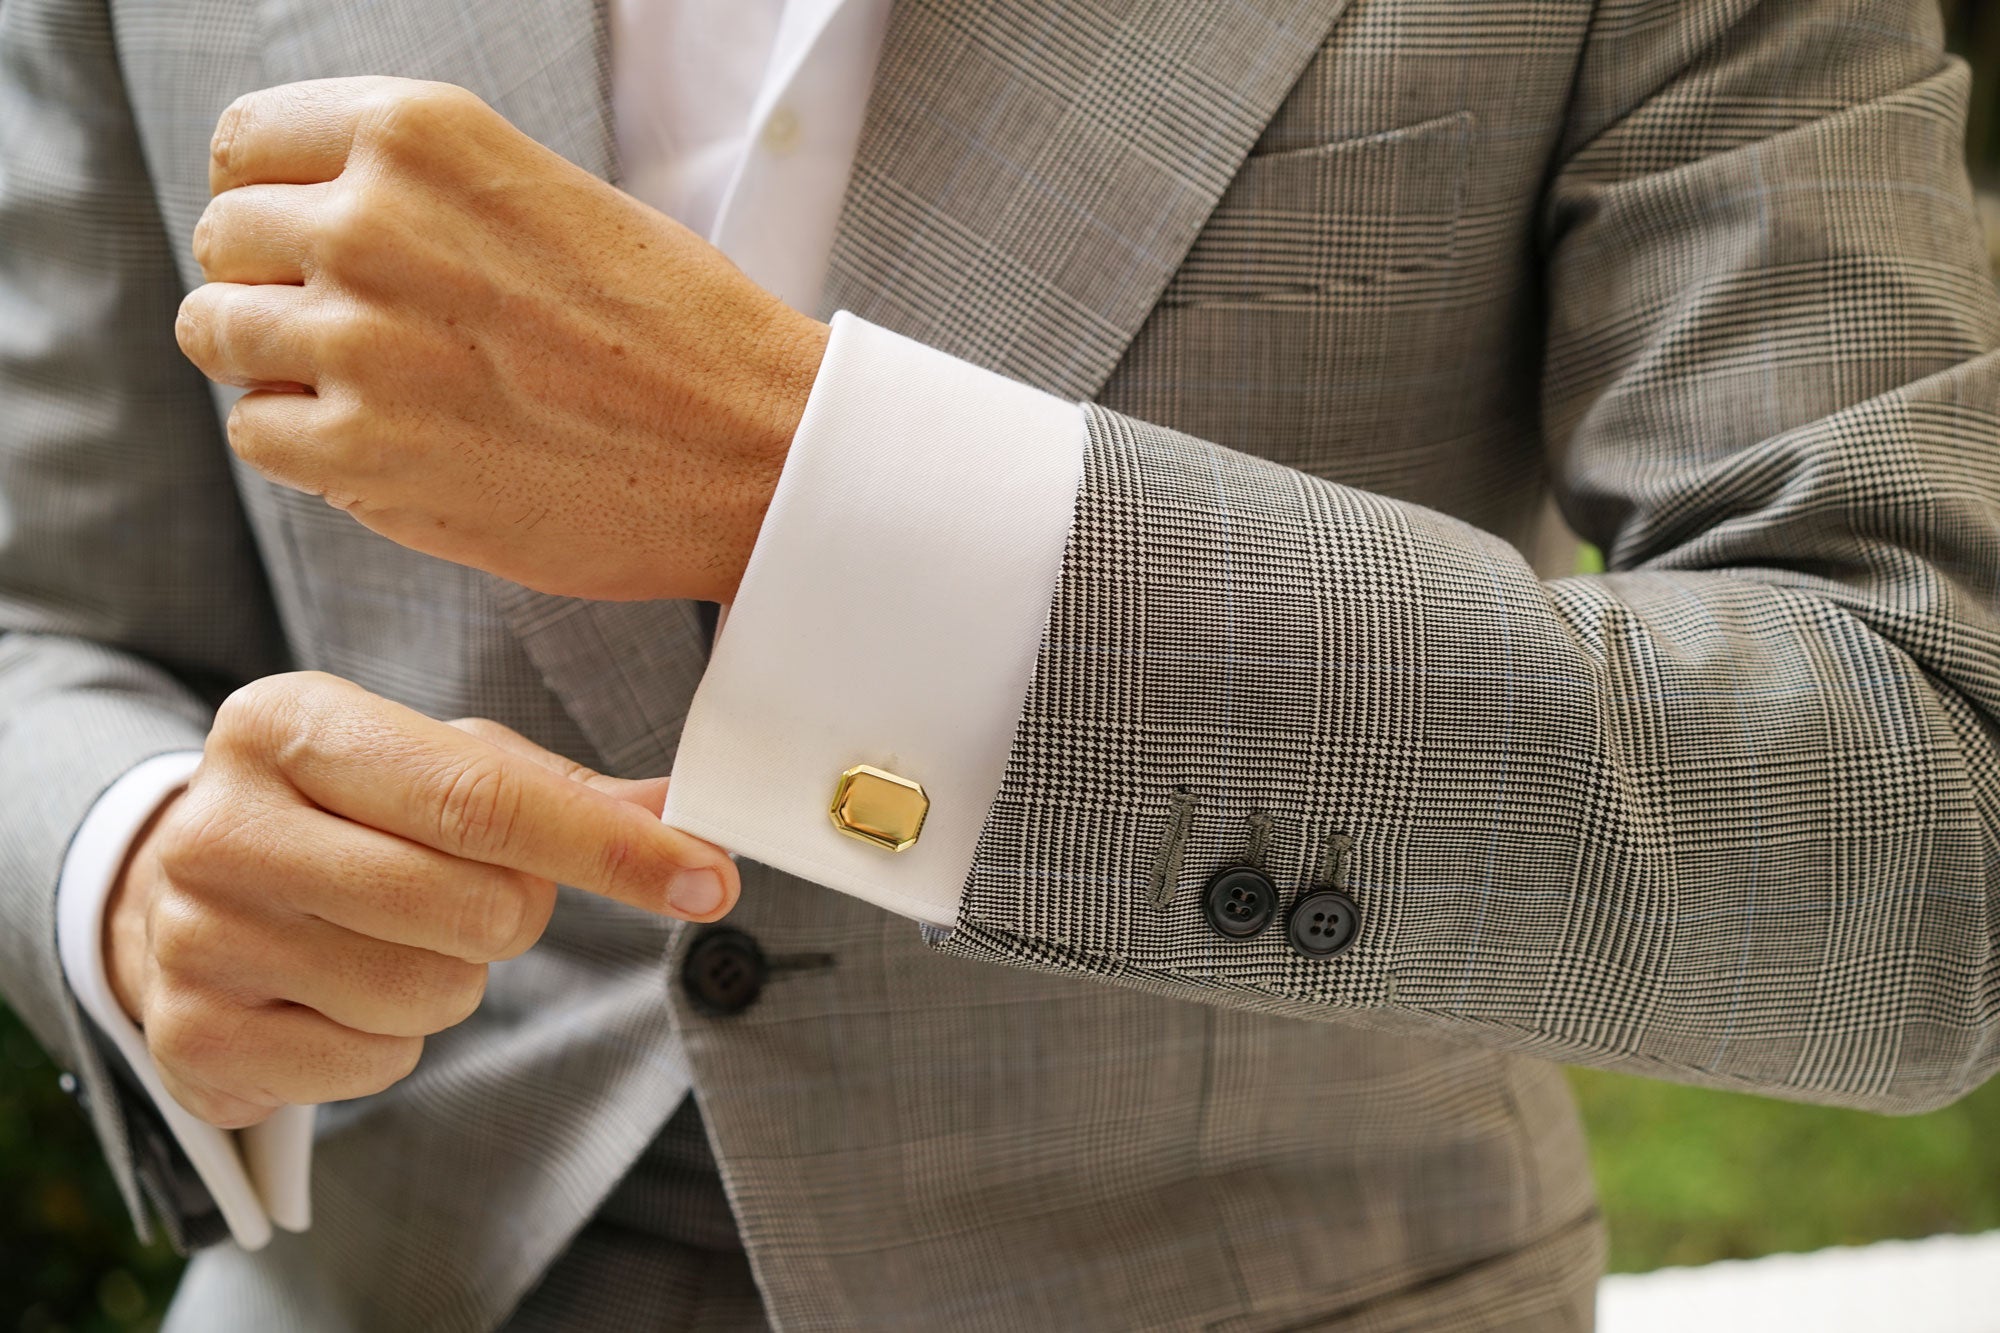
(1301, 223)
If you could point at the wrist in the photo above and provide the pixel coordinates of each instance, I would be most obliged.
(127, 957)
(784, 361)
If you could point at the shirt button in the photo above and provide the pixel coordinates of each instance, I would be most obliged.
(1240, 901)
(781, 131)
(724, 972)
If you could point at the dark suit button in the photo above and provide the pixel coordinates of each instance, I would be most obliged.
(1324, 923)
(1241, 900)
(724, 972)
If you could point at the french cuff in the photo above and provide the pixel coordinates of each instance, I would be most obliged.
(865, 685)
(258, 1176)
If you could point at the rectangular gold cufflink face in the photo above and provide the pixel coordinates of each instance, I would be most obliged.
(879, 807)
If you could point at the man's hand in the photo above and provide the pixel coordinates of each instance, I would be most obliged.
(331, 885)
(482, 351)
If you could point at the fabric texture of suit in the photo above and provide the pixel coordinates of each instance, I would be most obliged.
(1352, 286)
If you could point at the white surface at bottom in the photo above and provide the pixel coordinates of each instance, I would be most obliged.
(1946, 1284)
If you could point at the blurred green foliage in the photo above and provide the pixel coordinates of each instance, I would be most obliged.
(68, 1259)
(1687, 1176)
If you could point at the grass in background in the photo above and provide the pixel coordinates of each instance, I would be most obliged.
(68, 1260)
(1689, 1176)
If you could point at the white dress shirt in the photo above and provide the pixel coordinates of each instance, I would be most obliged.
(893, 606)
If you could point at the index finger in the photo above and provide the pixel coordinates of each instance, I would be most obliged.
(293, 134)
(390, 767)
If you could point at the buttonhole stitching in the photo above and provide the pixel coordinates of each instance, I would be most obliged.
(1260, 838)
(1167, 865)
(1333, 862)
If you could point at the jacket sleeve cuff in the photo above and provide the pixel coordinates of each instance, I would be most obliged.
(890, 616)
(254, 1178)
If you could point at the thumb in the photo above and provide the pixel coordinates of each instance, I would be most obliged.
(650, 794)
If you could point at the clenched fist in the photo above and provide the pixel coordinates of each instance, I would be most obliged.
(331, 885)
(485, 353)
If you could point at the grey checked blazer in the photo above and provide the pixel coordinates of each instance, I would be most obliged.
(1352, 286)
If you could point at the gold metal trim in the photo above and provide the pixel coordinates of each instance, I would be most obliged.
(879, 807)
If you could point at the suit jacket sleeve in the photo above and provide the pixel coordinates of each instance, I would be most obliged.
(1725, 813)
(129, 595)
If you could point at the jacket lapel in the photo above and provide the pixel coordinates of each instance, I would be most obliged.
(1029, 176)
(624, 671)
(1031, 172)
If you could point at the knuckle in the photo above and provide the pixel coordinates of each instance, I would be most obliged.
(354, 455)
(204, 236)
(383, 1063)
(460, 995)
(169, 1036)
(241, 321)
(194, 327)
(343, 429)
(223, 1107)
(505, 919)
(345, 423)
(411, 118)
(184, 839)
(636, 869)
(258, 712)
(284, 718)
(403, 1060)
(245, 440)
(344, 225)
(221, 325)
(478, 809)
(222, 153)
(344, 344)
(181, 931)
(201, 842)
(413, 993)
(491, 922)
(231, 843)
(195, 1038)
(241, 707)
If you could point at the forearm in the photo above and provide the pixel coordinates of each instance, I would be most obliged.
(1724, 814)
(1634, 820)
(1691, 823)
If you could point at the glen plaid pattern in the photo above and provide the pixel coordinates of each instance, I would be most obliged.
(1726, 815)
(1708, 266)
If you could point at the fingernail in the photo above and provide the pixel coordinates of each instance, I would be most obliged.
(695, 892)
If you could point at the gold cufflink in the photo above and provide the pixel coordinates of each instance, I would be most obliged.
(879, 807)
